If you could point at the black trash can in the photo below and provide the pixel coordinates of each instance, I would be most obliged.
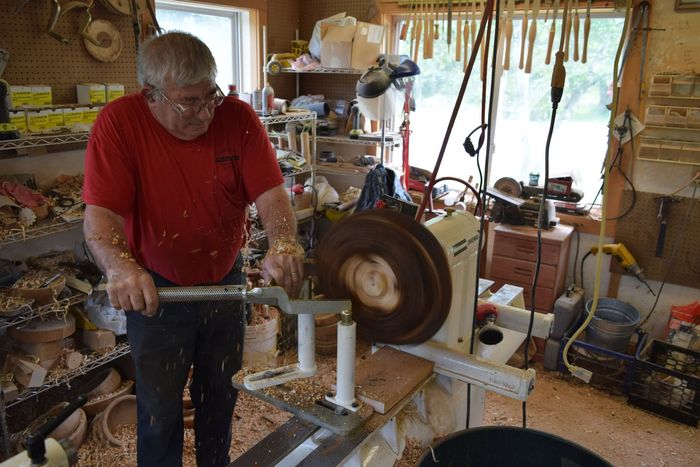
(499, 446)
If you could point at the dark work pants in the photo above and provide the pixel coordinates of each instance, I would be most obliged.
(208, 335)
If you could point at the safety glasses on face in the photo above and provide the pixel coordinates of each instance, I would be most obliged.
(189, 111)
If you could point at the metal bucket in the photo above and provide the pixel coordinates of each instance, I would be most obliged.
(613, 324)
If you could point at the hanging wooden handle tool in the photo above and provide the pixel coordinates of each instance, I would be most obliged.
(449, 24)
(427, 30)
(458, 48)
(532, 34)
(473, 24)
(508, 34)
(586, 31)
(419, 30)
(484, 66)
(567, 34)
(552, 32)
(465, 42)
(577, 22)
(523, 36)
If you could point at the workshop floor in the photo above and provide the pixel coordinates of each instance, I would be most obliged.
(604, 423)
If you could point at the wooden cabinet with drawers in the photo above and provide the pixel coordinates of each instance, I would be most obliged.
(512, 255)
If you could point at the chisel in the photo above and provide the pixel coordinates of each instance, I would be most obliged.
(523, 36)
(532, 34)
(586, 31)
(449, 24)
(576, 30)
(508, 33)
(458, 48)
(567, 34)
(552, 31)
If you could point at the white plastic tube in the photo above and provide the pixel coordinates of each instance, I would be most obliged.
(345, 382)
(307, 342)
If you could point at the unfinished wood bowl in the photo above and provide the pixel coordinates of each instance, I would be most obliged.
(43, 330)
(44, 295)
(120, 411)
(108, 385)
(73, 428)
(94, 406)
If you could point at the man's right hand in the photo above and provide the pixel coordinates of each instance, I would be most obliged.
(131, 288)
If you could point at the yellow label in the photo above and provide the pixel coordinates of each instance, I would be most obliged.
(37, 121)
(90, 115)
(20, 96)
(72, 117)
(19, 120)
(55, 119)
(41, 96)
(97, 96)
(114, 92)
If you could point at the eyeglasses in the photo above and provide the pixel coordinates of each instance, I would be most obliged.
(189, 111)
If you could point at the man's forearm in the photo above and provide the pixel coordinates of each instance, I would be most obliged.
(104, 235)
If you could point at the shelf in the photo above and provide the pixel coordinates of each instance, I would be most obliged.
(294, 173)
(58, 305)
(670, 128)
(321, 70)
(92, 361)
(359, 142)
(288, 117)
(44, 140)
(41, 229)
(333, 168)
(670, 151)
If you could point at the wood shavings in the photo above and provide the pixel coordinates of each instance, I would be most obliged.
(286, 246)
(32, 279)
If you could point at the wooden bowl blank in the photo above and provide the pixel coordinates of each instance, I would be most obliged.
(108, 385)
(95, 406)
(44, 295)
(121, 411)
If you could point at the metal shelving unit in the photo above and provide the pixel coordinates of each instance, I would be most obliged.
(336, 71)
(44, 140)
(359, 142)
(41, 229)
(57, 306)
(94, 360)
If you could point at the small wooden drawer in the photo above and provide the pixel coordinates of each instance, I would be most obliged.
(517, 270)
(525, 249)
(545, 296)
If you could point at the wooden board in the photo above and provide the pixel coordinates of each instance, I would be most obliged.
(386, 376)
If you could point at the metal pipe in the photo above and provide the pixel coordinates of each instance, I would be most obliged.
(345, 377)
(307, 343)
(518, 319)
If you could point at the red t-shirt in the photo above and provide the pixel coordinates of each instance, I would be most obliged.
(183, 201)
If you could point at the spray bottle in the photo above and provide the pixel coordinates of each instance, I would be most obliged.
(268, 99)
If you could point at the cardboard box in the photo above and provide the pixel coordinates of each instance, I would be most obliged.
(90, 114)
(20, 96)
(366, 45)
(54, 119)
(336, 45)
(19, 119)
(73, 116)
(91, 93)
(114, 91)
(37, 120)
(41, 96)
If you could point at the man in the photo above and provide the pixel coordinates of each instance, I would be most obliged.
(169, 173)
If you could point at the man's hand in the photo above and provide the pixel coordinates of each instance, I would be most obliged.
(286, 270)
(131, 288)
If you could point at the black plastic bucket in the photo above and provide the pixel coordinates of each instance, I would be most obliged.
(503, 446)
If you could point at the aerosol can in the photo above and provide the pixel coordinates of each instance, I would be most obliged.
(268, 99)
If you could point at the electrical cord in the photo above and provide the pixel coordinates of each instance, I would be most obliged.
(585, 257)
(579, 372)
(578, 245)
(469, 187)
(485, 21)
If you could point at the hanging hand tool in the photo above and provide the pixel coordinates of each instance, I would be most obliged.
(664, 207)
(449, 24)
(626, 260)
(465, 41)
(419, 30)
(472, 27)
(532, 34)
(552, 32)
(458, 47)
(523, 36)
(567, 33)
(586, 32)
(577, 24)
(404, 25)
(644, 8)
(427, 31)
(508, 33)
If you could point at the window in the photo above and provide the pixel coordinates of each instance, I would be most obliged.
(223, 29)
(580, 140)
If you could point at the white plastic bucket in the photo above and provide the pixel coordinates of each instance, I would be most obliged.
(260, 344)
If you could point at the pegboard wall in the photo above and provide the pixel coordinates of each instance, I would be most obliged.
(37, 58)
(639, 232)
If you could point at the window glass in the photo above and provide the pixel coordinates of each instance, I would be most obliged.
(215, 26)
(580, 138)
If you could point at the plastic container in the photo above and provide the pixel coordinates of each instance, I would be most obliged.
(667, 382)
(497, 446)
(613, 324)
(260, 343)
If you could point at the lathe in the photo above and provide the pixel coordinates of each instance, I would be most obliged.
(410, 289)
